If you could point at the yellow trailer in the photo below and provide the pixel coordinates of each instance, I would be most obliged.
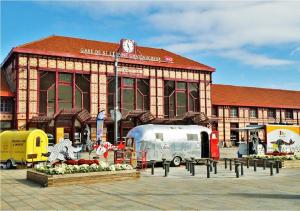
(23, 147)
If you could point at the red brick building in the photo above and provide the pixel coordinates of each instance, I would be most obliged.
(237, 106)
(64, 82)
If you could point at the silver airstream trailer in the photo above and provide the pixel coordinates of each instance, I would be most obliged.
(171, 142)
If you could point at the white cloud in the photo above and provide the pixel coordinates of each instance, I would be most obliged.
(218, 26)
(210, 26)
(254, 59)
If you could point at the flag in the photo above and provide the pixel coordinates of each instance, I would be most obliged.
(99, 123)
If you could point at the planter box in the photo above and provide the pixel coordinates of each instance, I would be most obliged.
(285, 163)
(291, 164)
(46, 180)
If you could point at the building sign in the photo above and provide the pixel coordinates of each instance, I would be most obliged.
(125, 55)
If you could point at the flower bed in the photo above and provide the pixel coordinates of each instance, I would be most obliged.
(80, 172)
(287, 161)
(276, 157)
(81, 166)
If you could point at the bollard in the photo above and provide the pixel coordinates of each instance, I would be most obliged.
(242, 168)
(152, 166)
(166, 169)
(264, 163)
(277, 166)
(188, 165)
(247, 160)
(271, 168)
(193, 168)
(254, 164)
(186, 162)
(208, 170)
(230, 164)
(215, 166)
(236, 165)
(163, 162)
(211, 166)
(225, 159)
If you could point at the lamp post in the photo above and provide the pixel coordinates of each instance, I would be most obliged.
(116, 98)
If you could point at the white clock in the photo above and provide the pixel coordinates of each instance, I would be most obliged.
(128, 46)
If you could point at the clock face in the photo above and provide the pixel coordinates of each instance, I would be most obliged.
(128, 46)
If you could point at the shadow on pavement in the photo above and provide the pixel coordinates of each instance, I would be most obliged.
(267, 195)
(27, 182)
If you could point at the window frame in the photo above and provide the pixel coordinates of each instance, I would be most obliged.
(123, 86)
(289, 114)
(56, 84)
(215, 111)
(192, 136)
(250, 112)
(173, 111)
(6, 105)
(234, 108)
(273, 112)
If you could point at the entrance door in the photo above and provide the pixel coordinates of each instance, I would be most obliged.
(204, 145)
(234, 134)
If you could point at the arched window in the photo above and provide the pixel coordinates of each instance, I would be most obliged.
(68, 85)
(133, 95)
(180, 97)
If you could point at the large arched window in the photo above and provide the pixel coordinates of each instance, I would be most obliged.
(180, 97)
(133, 95)
(73, 92)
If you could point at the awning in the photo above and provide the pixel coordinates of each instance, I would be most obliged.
(249, 128)
(187, 118)
(81, 115)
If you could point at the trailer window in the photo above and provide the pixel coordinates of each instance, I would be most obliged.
(38, 141)
(192, 137)
(159, 136)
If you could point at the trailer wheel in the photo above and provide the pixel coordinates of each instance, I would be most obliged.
(176, 161)
(9, 164)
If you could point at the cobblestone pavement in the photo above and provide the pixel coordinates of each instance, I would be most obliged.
(178, 191)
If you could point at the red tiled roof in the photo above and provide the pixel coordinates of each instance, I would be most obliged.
(5, 90)
(70, 47)
(252, 96)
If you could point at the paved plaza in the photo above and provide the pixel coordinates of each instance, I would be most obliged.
(178, 191)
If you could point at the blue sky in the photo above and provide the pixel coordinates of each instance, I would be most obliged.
(254, 43)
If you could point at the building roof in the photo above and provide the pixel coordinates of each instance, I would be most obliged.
(252, 96)
(70, 47)
(4, 88)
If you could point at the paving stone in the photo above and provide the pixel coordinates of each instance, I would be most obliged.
(178, 191)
